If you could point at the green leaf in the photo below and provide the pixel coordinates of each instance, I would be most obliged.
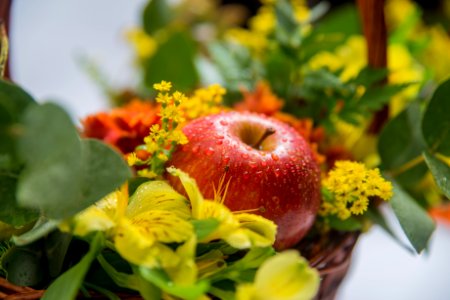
(414, 220)
(40, 229)
(343, 20)
(162, 281)
(204, 227)
(436, 120)
(67, 285)
(350, 224)
(175, 61)
(25, 266)
(440, 171)
(13, 102)
(10, 212)
(400, 142)
(377, 218)
(368, 76)
(287, 30)
(374, 98)
(157, 15)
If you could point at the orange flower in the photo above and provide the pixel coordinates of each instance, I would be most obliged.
(262, 100)
(441, 213)
(125, 127)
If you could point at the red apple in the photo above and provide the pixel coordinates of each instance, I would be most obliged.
(270, 167)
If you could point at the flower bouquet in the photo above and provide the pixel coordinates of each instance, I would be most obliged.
(254, 188)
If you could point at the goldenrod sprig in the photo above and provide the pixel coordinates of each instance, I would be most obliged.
(164, 138)
(349, 186)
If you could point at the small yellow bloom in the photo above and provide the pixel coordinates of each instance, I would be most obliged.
(285, 276)
(132, 159)
(163, 86)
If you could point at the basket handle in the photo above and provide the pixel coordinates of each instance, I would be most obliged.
(5, 10)
(375, 32)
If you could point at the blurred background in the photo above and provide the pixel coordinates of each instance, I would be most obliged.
(50, 39)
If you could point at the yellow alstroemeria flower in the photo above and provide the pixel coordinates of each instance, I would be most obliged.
(156, 215)
(240, 230)
(285, 276)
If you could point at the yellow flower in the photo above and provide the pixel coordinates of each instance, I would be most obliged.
(240, 230)
(144, 45)
(132, 159)
(351, 185)
(285, 276)
(163, 86)
(156, 215)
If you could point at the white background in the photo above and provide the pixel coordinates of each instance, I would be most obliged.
(50, 36)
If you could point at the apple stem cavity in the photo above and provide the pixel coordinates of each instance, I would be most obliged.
(269, 131)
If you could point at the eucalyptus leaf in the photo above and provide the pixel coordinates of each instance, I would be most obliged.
(63, 174)
(103, 170)
(157, 15)
(175, 61)
(13, 102)
(414, 220)
(67, 285)
(52, 177)
(440, 171)
(436, 120)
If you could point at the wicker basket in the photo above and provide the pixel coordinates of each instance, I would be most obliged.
(331, 253)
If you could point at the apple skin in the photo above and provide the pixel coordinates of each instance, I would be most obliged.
(280, 180)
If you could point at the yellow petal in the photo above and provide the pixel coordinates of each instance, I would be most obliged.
(158, 195)
(285, 276)
(185, 272)
(163, 226)
(89, 220)
(132, 245)
(260, 232)
(227, 222)
(189, 184)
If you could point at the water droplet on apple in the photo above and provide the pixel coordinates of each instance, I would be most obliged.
(219, 142)
(245, 175)
(276, 172)
(244, 155)
(220, 136)
(284, 140)
(223, 123)
(209, 151)
(263, 163)
(252, 164)
(195, 149)
(275, 157)
(226, 159)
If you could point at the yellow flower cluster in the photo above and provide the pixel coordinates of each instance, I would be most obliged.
(204, 101)
(163, 138)
(348, 187)
(352, 58)
(263, 24)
